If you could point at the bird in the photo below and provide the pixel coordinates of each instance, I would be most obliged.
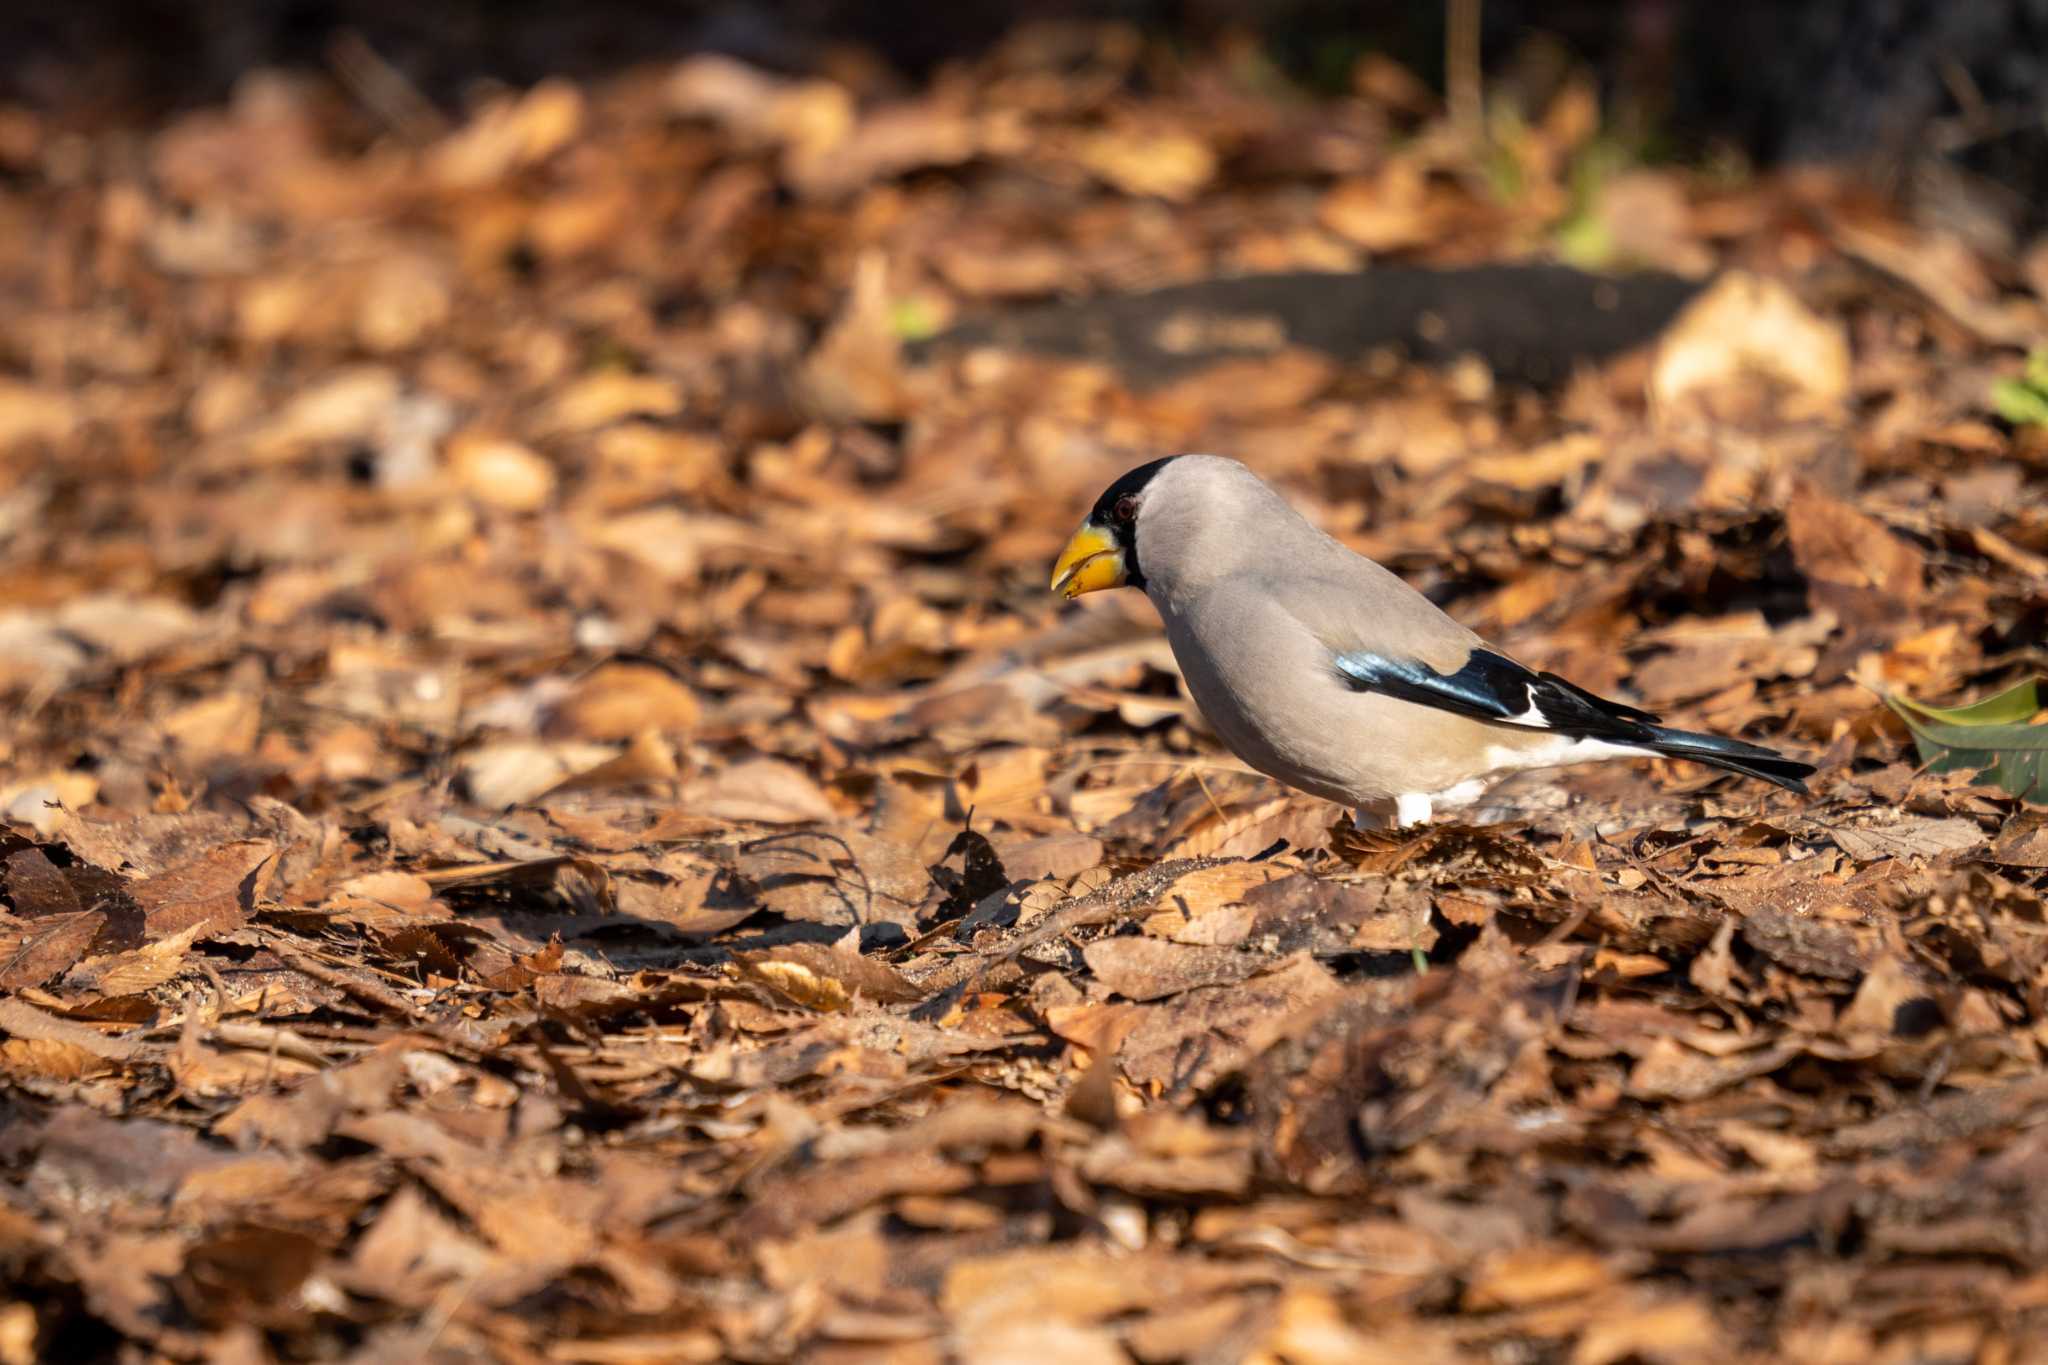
(1327, 671)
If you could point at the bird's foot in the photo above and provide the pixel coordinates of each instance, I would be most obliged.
(1372, 818)
(1402, 812)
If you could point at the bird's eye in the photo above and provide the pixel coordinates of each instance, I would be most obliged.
(1126, 508)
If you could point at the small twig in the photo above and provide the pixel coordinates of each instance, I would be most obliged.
(1104, 905)
(268, 1038)
(446, 1305)
(1963, 89)
(1209, 796)
(384, 90)
(371, 991)
(1464, 92)
(1569, 925)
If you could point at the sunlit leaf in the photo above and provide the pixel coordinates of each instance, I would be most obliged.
(1989, 737)
(2019, 403)
(2024, 401)
(2015, 705)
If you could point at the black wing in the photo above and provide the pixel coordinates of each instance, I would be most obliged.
(1494, 687)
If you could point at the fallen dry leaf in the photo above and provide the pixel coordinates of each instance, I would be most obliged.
(215, 891)
(549, 814)
(1912, 836)
(1746, 325)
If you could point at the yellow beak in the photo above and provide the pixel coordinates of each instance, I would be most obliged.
(1090, 563)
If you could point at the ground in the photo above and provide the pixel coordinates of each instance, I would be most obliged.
(552, 817)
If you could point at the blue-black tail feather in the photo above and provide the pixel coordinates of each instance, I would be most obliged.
(1731, 755)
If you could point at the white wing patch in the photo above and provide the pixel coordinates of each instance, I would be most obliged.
(1560, 752)
(1417, 808)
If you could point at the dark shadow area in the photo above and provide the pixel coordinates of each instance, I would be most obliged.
(1886, 80)
(1531, 324)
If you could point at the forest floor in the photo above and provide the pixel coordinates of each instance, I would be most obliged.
(552, 817)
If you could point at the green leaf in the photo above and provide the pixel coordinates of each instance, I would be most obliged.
(2024, 401)
(1584, 241)
(912, 319)
(2020, 403)
(2014, 705)
(1988, 737)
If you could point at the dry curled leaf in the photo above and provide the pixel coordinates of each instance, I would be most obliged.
(549, 813)
(1910, 836)
(826, 977)
(215, 891)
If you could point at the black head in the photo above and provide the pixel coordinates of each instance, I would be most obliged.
(1116, 512)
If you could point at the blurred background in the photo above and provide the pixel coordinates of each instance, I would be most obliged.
(780, 343)
(1885, 83)
(524, 538)
(1812, 76)
(449, 321)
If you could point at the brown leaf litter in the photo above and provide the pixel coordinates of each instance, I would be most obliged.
(550, 817)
